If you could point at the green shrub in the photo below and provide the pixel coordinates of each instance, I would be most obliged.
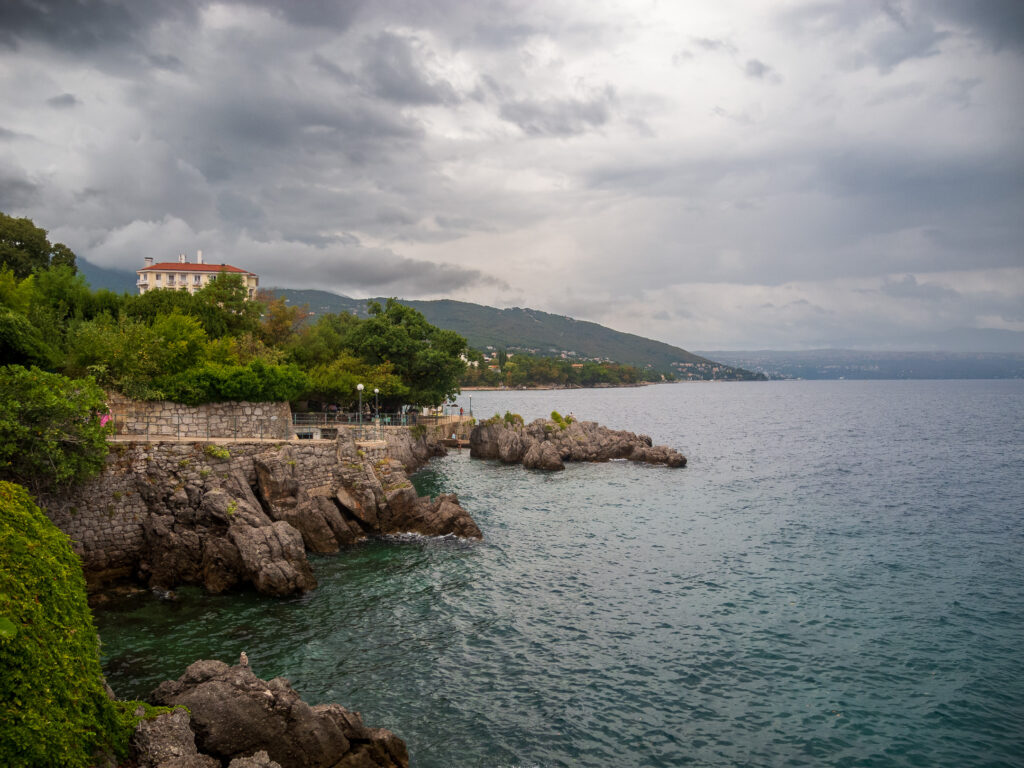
(216, 452)
(214, 382)
(418, 431)
(53, 707)
(513, 418)
(50, 431)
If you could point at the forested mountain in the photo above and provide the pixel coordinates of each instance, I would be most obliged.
(522, 330)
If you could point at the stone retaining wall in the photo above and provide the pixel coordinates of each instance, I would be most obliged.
(104, 516)
(162, 418)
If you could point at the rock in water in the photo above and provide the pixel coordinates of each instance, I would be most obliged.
(237, 715)
(545, 444)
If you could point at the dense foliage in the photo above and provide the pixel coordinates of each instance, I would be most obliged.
(216, 344)
(50, 428)
(24, 247)
(524, 370)
(53, 707)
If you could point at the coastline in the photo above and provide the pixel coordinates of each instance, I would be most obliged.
(555, 387)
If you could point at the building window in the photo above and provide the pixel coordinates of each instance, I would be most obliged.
(170, 279)
(197, 279)
(158, 276)
(144, 277)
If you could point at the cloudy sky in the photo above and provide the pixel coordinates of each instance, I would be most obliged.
(723, 174)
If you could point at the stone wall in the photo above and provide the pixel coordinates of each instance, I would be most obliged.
(104, 516)
(162, 418)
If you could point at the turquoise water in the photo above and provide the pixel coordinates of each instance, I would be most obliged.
(835, 580)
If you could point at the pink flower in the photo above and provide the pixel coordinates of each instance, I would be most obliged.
(104, 419)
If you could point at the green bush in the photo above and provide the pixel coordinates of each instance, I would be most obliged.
(216, 451)
(213, 382)
(513, 418)
(50, 431)
(53, 708)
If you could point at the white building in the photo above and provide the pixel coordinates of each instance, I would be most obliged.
(183, 275)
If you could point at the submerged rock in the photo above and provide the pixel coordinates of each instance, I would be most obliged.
(237, 715)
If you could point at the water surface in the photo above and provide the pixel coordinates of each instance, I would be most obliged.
(836, 579)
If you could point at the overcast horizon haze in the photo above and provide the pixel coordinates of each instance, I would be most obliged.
(715, 175)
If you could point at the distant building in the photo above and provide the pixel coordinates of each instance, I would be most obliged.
(183, 275)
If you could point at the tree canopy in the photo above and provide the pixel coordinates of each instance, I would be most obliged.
(24, 248)
(217, 344)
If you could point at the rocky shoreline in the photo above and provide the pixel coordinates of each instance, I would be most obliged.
(547, 444)
(245, 514)
(226, 715)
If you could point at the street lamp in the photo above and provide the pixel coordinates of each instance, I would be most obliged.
(376, 403)
(359, 388)
(471, 406)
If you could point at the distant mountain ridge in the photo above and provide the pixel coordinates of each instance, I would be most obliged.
(863, 364)
(518, 329)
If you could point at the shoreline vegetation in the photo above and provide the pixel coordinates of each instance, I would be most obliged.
(66, 349)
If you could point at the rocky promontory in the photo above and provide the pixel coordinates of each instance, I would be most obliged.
(226, 715)
(223, 515)
(549, 443)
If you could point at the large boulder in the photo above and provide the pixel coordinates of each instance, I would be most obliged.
(543, 456)
(274, 558)
(236, 714)
(167, 741)
(174, 553)
(443, 516)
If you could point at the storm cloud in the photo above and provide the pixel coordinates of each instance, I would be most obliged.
(728, 175)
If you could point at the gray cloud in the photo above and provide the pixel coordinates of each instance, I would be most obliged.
(392, 148)
(560, 117)
(64, 101)
(394, 71)
(756, 69)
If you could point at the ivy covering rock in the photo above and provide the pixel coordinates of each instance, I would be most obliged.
(54, 707)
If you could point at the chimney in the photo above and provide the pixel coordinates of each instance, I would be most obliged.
(181, 259)
(149, 261)
(199, 257)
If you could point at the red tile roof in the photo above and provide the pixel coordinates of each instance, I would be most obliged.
(177, 266)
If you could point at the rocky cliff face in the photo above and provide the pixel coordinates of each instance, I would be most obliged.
(235, 716)
(544, 444)
(242, 513)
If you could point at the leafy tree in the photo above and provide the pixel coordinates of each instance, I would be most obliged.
(125, 354)
(336, 382)
(323, 341)
(214, 382)
(24, 247)
(280, 322)
(427, 358)
(21, 342)
(50, 431)
(182, 342)
(225, 304)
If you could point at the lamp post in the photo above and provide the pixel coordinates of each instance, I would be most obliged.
(359, 388)
(376, 403)
(471, 406)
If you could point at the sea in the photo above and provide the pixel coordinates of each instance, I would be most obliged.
(835, 579)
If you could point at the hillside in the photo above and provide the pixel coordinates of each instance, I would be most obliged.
(858, 364)
(525, 330)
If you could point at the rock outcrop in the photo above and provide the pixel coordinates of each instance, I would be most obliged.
(253, 523)
(256, 723)
(545, 444)
(167, 741)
